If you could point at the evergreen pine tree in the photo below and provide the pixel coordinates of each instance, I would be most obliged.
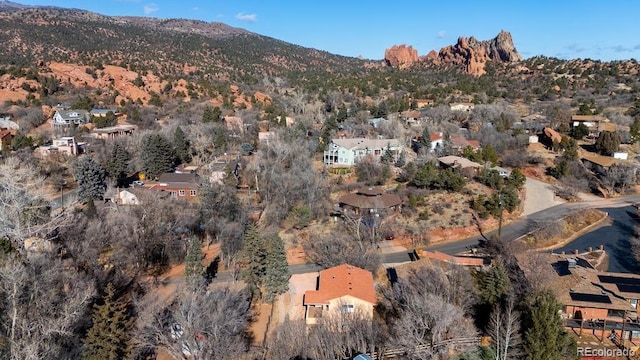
(108, 337)
(387, 156)
(402, 160)
(91, 179)
(276, 279)
(544, 335)
(193, 268)
(182, 146)
(253, 255)
(495, 285)
(425, 139)
(157, 155)
(118, 165)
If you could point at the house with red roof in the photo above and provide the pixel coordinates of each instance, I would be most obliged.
(341, 289)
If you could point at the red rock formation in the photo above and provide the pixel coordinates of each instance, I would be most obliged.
(472, 54)
(401, 56)
(468, 54)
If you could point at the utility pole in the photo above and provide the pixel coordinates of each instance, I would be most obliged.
(501, 211)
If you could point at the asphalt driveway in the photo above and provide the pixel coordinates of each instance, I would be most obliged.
(540, 196)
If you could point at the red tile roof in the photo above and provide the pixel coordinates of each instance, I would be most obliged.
(435, 137)
(342, 280)
(4, 133)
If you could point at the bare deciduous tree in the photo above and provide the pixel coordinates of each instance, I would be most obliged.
(23, 211)
(504, 329)
(44, 303)
(202, 325)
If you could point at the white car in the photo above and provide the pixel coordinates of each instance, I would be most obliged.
(137, 183)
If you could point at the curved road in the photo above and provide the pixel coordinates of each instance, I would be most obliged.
(522, 226)
(516, 229)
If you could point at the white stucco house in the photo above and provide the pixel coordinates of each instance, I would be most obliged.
(346, 152)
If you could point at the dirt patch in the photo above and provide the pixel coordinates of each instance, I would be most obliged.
(261, 317)
(173, 279)
(291, 303)
(296, 255)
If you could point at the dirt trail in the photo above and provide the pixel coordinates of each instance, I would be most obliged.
(170, 281)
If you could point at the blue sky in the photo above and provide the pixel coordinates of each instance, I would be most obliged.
(596, 29)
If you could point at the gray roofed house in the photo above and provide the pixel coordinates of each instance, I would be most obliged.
(102, 112)
(346, 152)
(68, 117)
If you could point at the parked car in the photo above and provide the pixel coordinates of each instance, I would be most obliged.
(137, 183)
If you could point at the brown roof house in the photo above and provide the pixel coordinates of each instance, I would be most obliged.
(594, 301)
(179, 185)
(341, 289)
(465, 166)
(595, 123)
(370, 199)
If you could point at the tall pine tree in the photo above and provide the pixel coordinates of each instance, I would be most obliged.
(157, 155)
(544, 335)
(91, 179)
(108, 337)
(118, 165)
(253, 256)
(425, 139)
(182, 146)
(276, 279)
(193, 268)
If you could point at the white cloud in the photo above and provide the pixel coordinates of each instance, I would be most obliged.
(195, 8)
(246, 17)
(441, 34)
(150, 8)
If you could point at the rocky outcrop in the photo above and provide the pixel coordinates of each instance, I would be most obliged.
(400, 56)
(472, 54)
(468, 53)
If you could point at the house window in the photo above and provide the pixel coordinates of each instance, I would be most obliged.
(192, 193)
(347, 308)
(174, 194)
(377, 152)
(634, 303)
(615, 313)
(181, 192)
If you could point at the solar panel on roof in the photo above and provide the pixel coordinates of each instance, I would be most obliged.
(628, 288)
(609, 279)
(597, 298)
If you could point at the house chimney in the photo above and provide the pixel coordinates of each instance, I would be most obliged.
(576, 252)
(601, 247)
(590, 249)
(563, 253)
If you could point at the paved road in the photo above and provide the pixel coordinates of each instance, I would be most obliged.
(526, 224)
(510, 232)
(614, 235)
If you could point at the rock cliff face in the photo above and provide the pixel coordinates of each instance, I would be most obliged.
(468, 53)
(473, 54)
(400, 56)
